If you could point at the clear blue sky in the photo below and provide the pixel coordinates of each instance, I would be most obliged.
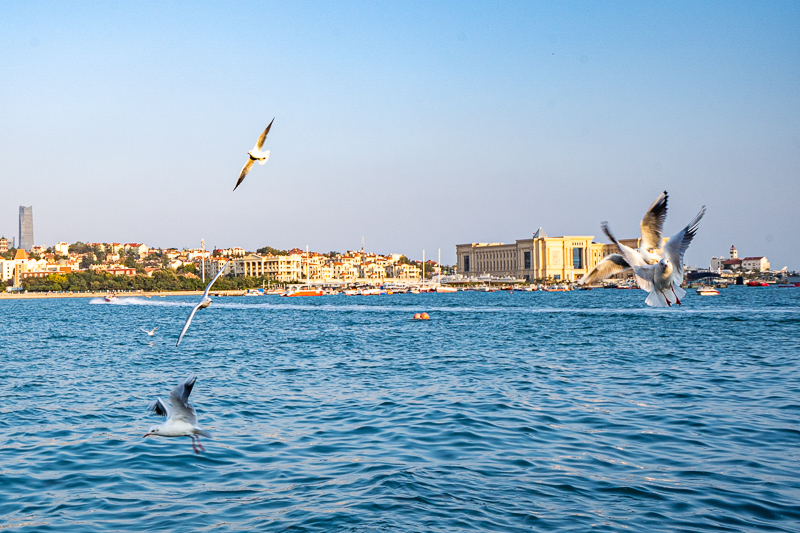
(417, 125)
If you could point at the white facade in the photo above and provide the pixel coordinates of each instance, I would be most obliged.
(755, 263)
(6, 269)
(61, 248)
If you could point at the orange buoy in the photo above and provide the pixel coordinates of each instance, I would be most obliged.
(424, 316)
(417, 316)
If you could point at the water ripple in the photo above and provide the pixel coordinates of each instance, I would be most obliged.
(531, 411)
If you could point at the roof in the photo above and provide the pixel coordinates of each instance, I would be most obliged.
(21, 254)
(540, 234)
(751, 258)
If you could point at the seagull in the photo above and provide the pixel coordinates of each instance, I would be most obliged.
(204, 302)
(151, 332)
(651, 228)
(255, 155)
(667, 273)
(181, 416)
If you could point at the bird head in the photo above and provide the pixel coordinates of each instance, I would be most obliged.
(152, 431)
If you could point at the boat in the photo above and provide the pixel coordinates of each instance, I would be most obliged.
(254, 292)
(757, 283)
(111, 297)
(349, 292)
(304, 291)
(442, 288)
(705, 290)
(369, 292)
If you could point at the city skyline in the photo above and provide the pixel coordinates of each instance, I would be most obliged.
(415, 126)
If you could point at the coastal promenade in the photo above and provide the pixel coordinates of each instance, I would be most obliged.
(103, 294)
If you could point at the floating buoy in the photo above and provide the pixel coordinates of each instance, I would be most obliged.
(424, 316)
(417, 316)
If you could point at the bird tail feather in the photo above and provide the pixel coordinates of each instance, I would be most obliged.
(678, 291)
(655, 299)
(203, 432)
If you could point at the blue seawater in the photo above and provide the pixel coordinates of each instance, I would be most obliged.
(504, 412)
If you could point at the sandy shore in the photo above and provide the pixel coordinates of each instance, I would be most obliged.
(120, 295)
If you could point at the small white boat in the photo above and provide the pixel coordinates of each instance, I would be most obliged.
(706, 291)
(442, 288)
(110, 298)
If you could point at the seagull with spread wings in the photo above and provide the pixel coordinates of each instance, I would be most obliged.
(667, 274)
(181, 417)
(651, 228)
(204, 302)
(255, 155)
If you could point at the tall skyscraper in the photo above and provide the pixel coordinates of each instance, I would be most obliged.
(26, 227)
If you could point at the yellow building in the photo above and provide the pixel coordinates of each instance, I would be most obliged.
(565, 258)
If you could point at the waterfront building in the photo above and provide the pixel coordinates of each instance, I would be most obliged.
(26, 227)
(565, 258)
(733, 262)
(755, 263)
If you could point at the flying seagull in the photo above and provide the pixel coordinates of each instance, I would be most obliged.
(255, 155)
(181, 416)
(651, 228)
(150, 332)
(667, 274)
(204, 302)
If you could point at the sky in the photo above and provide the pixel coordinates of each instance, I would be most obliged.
(413, 125)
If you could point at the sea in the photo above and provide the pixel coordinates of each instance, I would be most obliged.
(506, 411)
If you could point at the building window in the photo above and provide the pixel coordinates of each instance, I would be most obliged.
(466, 263)
(577, 258)
(527, 260)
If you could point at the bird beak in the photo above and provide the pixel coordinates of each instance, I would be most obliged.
(146, 435)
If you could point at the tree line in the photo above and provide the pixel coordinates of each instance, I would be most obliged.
(161, 280)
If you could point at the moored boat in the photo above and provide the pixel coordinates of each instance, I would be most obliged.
(705, 290)
(304, 291)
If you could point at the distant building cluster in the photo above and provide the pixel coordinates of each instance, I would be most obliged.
(732, 262)
(565, 258)
(313, 267)
(292, 266)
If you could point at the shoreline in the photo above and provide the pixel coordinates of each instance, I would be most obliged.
(144, 294)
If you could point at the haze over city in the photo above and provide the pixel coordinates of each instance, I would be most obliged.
(415, 126)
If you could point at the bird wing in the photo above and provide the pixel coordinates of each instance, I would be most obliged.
(263, 137)
(610, 265)
(208, 287)
(653, 223)
(645, 276)
(188, 321)
(179, 398)
(631, 256)
(677, 244)
(159, 407)
(641, 270)
(243, 173)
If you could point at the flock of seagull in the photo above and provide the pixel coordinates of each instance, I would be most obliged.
(181, 418)
(657, 265)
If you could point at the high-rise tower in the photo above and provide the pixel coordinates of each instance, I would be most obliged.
(26, 227)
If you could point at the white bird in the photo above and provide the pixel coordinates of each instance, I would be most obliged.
(181, 416)
(651, 228)
(204, 302)
(151, 332)
(255, 155)
(667, 274)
